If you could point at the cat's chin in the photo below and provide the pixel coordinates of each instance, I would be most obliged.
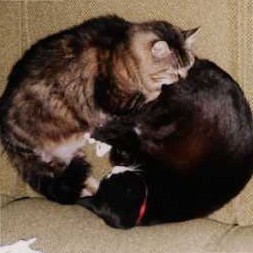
(157, 89)
(152, 96)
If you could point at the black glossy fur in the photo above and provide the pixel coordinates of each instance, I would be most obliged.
(194, 146)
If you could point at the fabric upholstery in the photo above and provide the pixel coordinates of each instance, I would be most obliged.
(66, 229)
(226, 37)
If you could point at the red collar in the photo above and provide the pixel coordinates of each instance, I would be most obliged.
(143, 208)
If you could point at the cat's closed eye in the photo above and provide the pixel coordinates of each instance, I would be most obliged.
(160, 50)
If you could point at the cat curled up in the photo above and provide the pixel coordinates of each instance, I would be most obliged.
(73, 82)
(186, 154)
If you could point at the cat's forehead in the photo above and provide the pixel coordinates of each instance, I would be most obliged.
(143, 40)
(159, 30)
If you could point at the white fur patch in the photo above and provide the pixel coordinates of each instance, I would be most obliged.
(120, 169)
(91, 185)
(102, 149)
(137, 130)
(21, 246)
(66, 151)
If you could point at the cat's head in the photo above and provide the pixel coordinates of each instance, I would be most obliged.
(163, 53)
(148, 56)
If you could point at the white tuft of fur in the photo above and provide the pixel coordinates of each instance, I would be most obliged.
(102, 148)
(120, 169)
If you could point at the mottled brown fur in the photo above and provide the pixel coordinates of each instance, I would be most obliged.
(73, 82)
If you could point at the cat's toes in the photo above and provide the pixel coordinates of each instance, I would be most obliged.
(86, 193)
(91, 185)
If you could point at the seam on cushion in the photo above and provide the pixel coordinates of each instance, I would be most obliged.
(2, 205)
(26, 24)
(244, 29)
(22, 26)
(25, 37)
(20, 29)
(213, 245)
(239, 77)
(240, 41)
(12, 200)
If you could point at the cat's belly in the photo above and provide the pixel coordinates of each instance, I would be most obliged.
(75, 145)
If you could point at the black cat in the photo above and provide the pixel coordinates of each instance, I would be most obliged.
(192, 148)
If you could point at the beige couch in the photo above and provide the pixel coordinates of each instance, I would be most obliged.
(226, 37)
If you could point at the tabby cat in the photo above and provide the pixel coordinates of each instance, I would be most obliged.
(72, 82)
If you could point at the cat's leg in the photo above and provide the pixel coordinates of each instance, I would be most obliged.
(61, 172)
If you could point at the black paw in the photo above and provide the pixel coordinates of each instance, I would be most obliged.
(66, 187)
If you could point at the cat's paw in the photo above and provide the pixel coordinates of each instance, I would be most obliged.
(91, 186)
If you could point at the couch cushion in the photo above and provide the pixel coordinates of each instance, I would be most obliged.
(67, 229)
(236, 239)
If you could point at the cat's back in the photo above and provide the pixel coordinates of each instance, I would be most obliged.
(54, 54)
(49, 93)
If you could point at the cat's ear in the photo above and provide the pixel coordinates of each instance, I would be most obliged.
(160, 49)
(190, 35)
